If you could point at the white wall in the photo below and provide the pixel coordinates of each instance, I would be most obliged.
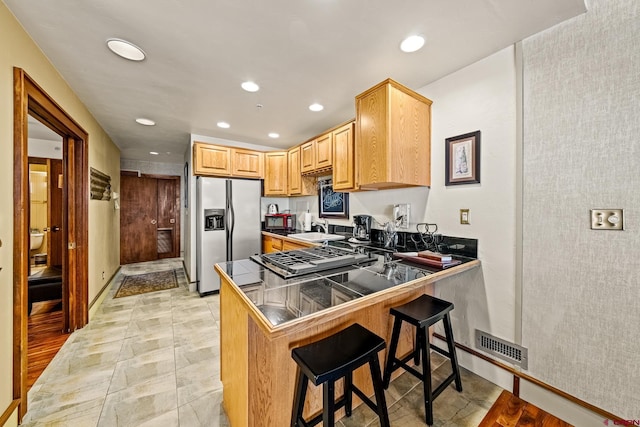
(580, 286)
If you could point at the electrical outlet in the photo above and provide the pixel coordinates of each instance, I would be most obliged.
(464, 216)
(607, 219)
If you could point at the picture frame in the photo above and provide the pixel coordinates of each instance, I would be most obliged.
(462, 159)
(331, 204)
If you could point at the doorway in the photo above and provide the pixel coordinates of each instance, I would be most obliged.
(149, 217)
(31, 100)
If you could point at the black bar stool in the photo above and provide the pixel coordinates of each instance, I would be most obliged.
(334, 357)
(422, 313)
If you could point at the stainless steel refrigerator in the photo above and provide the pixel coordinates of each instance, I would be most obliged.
(228, 226)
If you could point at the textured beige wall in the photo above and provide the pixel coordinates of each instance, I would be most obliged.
(580, 286)
(17, 49)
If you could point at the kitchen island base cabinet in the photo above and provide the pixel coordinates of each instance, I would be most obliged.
(257, 371)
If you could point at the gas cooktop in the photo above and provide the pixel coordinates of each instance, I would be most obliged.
(310, 260)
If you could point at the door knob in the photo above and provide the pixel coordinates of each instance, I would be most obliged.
(154, 222)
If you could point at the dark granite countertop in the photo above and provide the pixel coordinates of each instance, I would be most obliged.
(282, 300)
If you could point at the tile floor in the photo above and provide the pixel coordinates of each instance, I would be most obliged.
(154, 360)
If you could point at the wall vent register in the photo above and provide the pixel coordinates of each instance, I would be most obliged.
(505, 350)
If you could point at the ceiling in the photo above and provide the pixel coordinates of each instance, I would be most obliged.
(299, 52)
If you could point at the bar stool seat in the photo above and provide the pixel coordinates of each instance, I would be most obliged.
(422, 313)
(334, 357)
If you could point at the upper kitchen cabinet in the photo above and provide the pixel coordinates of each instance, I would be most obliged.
(246, 163)
(218, 160)
(211, 160)
(393, 137)
(298, 185)
(317, 155)
(275, 177)
(343, 164)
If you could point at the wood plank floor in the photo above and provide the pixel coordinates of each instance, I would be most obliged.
(45, 338)
(511, 411)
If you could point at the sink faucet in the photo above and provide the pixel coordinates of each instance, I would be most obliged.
(324, 225)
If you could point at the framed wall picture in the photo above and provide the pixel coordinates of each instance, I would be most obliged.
(462, 159)
(332, 204)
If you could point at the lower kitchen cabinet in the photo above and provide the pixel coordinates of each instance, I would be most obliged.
(272, 243)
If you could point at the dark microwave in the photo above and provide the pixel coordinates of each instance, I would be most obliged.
(284, 221)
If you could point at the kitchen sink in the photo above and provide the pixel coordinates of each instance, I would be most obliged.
(315, 237)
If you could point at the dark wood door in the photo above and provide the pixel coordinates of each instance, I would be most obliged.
(149, 217)
(138, 219)
(57, 213)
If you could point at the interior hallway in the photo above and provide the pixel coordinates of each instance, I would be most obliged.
(154, 360)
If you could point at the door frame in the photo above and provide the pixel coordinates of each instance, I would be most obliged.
(29, 98)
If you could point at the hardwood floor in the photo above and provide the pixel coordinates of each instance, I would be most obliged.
(45, 338)
(510, 411)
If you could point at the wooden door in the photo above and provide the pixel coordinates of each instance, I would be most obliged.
(56, 214)
(138, 219)
(168, 224)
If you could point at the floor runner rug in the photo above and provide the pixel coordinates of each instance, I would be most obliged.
(148, 282)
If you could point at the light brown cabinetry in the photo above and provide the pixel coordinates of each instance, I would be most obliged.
(317, 155)
(276, 244)
(393, 137)
(298, 185)
(275, 176)
(246, 163)
(343, 158)
(308, 157)
(211, 159)
(218, 160)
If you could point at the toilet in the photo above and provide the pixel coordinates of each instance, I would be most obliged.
(35, 240)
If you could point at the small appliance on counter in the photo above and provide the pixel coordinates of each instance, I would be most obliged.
(272, 209)
(362, 228)
(280, 221)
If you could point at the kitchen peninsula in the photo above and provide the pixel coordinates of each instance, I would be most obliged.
(263, 316)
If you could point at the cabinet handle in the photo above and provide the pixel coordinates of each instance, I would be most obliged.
(154, 222)
(172, 221)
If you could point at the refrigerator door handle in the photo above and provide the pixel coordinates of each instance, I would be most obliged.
(230, 220)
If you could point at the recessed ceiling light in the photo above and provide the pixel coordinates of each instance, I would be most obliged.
(145, 122)
(155, 153)
(250, 86)
(412, 43)
(126, 49)
(223, 125)
(316, 107)
(274, 135)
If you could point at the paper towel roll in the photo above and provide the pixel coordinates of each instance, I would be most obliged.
(307, 221)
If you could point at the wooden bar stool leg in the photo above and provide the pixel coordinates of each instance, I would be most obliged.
(328, 401)
(452, 351)
(426, 375)
(381, 402)
(348, 393)
(298, 398)
(395, 335)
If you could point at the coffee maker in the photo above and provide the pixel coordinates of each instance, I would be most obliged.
(362, 227)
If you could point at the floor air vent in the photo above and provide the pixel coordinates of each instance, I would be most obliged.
(502, 349)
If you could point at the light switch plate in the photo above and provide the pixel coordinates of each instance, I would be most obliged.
(464, 216)
(607, 219)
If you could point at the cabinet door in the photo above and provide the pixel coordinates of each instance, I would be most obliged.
(276, 244)
(295, 178)
(289, 246)
(344, 162)
(275, 178)
(308, 158)
(246, 163)
(211, 160)
(324, 151)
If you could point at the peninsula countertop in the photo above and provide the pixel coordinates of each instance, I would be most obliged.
(263, 317)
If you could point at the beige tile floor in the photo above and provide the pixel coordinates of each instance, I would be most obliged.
(154, 360)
